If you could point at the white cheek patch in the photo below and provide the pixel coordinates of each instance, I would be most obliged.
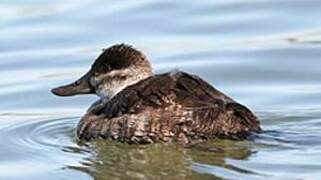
(111, 88)
(104, 92)
(108, 85)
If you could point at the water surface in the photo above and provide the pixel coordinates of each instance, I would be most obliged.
(264, 53)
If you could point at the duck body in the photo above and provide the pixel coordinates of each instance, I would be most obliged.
(139, 107)
(168, 107)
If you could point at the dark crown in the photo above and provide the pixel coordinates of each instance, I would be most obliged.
(119, 56)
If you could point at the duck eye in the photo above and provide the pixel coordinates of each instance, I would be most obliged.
(76, 83)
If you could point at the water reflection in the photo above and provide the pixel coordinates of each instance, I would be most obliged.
(171, 161)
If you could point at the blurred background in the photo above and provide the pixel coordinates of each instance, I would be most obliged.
(264, 53)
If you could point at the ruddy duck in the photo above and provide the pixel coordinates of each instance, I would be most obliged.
(137, 106)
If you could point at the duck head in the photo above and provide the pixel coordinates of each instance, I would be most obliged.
(115, 68)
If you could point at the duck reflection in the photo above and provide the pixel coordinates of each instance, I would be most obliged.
(159, 161)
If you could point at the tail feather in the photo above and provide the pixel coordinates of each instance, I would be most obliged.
(245, 116)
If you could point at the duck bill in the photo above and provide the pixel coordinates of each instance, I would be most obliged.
(81, 86)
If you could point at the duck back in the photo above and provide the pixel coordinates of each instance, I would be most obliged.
(174, 106)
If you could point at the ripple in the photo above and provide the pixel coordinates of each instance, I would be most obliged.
(42, 134)
(42, 141)
(46, 144)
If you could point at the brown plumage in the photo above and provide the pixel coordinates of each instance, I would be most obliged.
(167, 107)
(174, 106)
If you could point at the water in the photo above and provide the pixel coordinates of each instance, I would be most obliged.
(264, 53)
